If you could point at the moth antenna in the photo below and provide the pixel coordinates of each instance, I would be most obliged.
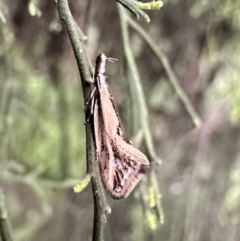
(112, 59)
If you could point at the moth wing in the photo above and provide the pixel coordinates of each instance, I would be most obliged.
(129, 167)
(121, 165)
(111, 116)
(105, 156)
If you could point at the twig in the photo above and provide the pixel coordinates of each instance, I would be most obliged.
(133, 8)
(140, 109)
(5, 233)
(63, 124)
(140, 114)
(151, 203)
(87, 14)
(33, 179)
(155, 203)
(2, 18)
(67, 18)
(100, 206)
(81, 35)
(171, 75)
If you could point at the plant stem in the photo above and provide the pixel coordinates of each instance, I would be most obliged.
(100, 205)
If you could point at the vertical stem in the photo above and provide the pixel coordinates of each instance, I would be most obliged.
(140, 115)
(99, 209)
(5, 230)
(169, 71)
(63, 122)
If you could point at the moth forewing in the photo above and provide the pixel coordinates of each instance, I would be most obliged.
(121, 165)
(130, 164)
(110, 119)
(109, 111)
(103, 146)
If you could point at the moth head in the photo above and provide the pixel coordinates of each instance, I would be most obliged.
(101, 62)
(101, 58)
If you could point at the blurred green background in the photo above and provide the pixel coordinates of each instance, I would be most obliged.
(42, 136)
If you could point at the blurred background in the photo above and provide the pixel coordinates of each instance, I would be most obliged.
(42, 136)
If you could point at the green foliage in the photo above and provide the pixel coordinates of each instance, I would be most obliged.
(151, 220)
(227, 85)
(224, 9)
(35, 130)
(154, 5)
(31, 131)
(232, 200)
(82, 184)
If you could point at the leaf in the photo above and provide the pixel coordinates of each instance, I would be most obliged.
(82, 184)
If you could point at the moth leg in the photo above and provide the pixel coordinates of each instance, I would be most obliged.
(93, 101)
(90, 97)
(90, 102)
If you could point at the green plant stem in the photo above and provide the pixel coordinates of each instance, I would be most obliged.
(170, 73)
(139, 105)
(134, 9)
(63, 124)
(5, 230)
(83, 68)
(140, 112)
(98, 192)
(87, 14)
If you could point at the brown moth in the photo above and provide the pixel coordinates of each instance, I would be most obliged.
(122, 166)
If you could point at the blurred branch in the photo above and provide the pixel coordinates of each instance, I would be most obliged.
(100, 205)
(2, 17)
(6, 96)
(81, 35)
(5, 233)
(87, 14)
(139, 105)
(171, 75)
(33, 180)
(140, 109)
(151, 203)
(155, 197)
(63, 124)
(132, 6)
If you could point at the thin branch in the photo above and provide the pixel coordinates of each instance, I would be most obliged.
(134, 9)
(140, 106)
(151, 202)
(63, 124)
(81, 35)
(100, 206)
(2, 17)
(155, 203)
(140, 114)
(87, 14)
(170, 73)
(67, 18)
(5, 230)
(32, 179)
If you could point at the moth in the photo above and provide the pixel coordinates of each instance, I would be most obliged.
(121, 165)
